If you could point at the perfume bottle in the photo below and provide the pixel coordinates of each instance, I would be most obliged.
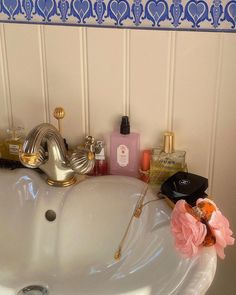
(100, 167)
(166, 161)
(124, 150)
(145, 165)
(13, 143)
(1, 145)
(1, 149)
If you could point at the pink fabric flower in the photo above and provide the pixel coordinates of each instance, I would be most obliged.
(188, 231)
(219, 226)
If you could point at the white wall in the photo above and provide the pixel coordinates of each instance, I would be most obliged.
(183, 81)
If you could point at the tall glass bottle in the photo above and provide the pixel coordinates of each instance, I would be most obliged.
(166, 161)
(100, 167)
(124, 151)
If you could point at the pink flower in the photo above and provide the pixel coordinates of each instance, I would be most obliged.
(188, 231)
(219, 225)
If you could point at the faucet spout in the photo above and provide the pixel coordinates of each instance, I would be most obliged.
(44, 148)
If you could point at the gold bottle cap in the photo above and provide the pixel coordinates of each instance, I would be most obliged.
(59, 114)
(169, 142)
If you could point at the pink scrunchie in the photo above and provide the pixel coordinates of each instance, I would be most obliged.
(189, 232)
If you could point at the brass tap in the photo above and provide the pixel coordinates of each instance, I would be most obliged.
(59, 114)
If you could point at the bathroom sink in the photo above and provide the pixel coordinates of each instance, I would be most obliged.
(74, 253)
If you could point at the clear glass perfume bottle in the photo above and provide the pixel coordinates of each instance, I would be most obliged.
(13, 143)
(166, 161)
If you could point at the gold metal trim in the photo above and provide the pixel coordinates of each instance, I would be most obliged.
(169, 203)
(59, 114)
(61, 183)
(136, 214)
(30, 159)
(90, 156)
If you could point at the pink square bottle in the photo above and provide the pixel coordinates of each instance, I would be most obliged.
(124, 151)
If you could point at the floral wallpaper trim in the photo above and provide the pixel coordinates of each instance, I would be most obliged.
(214, 15)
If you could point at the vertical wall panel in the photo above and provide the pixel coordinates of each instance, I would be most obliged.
(148, 83)
(224, 184)
(226, 125)
(4, 96)
(194, 96)
(24, 74)
(64, 78)
(105, 69)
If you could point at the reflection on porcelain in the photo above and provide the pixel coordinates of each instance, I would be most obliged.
(25, 188)
(74, 254)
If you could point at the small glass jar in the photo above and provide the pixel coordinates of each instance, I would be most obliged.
(13, 143)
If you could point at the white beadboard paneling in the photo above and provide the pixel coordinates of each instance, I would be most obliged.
(126, 72)
(84, 80)
(194, 96)
(224, 184)
(149, 58)
(225, 157)
(23, 58)
(215, 109)
(44, 75)
(64, 78)
(170, 80)
(5, 112)
(105, 69)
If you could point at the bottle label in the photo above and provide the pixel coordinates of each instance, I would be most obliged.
(122, 155)
(13, 149)
(101, 155)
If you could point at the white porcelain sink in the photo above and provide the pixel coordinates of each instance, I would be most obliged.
(74, 254)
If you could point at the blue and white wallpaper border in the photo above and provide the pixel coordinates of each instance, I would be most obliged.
(197, 15)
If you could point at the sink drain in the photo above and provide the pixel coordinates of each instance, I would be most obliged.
(50, 215)
(33, 290)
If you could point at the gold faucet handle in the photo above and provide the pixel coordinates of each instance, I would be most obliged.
(32, 160)
(59, 114)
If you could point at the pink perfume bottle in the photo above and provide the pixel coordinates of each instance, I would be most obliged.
(124, 151)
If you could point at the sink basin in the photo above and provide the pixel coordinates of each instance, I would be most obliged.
(74, 254)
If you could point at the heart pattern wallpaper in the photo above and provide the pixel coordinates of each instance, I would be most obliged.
(215, 15)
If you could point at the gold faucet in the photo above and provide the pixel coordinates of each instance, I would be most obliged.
(44, 148)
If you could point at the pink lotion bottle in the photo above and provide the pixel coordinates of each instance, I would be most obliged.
(124, 151)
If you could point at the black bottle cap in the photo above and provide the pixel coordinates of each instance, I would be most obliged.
(124, 126)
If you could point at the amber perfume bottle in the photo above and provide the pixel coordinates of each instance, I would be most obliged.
(100, 167)
(165, 161)
(13, 143)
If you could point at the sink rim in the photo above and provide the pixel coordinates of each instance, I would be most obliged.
(207, 258)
